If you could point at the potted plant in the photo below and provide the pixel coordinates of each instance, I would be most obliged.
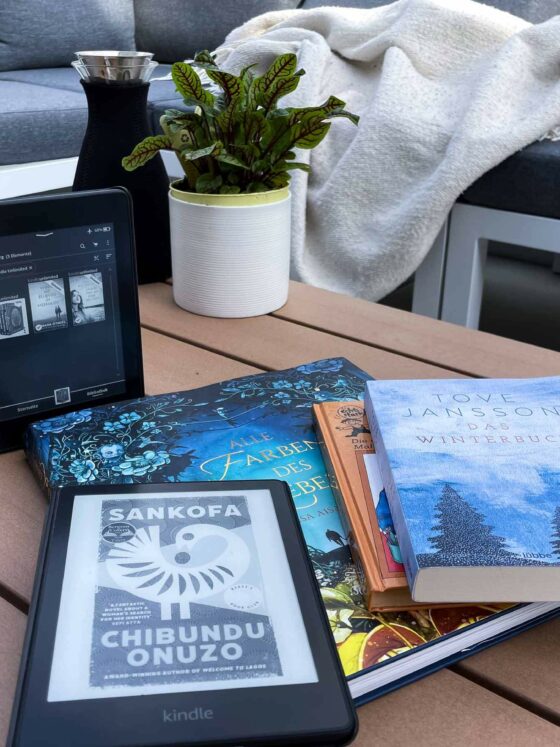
(230, 214)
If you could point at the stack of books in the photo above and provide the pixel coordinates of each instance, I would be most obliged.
(424, 540)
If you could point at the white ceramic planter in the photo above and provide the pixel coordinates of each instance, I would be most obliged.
(230, 253)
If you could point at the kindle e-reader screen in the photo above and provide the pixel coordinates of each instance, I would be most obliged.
(176, 592)
(200, 598)
(59, 306)
(68, 321)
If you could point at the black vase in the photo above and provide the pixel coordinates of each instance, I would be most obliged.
(117, 121)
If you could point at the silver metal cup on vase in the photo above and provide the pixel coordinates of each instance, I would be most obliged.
(114, 66)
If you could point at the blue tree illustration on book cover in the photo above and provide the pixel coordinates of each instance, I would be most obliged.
(476, 468)
(258, 426)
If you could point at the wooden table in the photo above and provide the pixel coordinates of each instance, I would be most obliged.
(507, 695)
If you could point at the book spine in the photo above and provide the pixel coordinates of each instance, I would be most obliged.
(34, 461)
(320, 426)
(409, 558)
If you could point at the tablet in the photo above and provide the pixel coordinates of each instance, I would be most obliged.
(69, 324)
(178, 614)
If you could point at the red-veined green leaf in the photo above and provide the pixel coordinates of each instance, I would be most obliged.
(230, 84)
(231, 160)
(310, 134)
(188, 84)
(208, 183)
(283, 66)
(146, 150)
(205, 60)
(278, 90)
(194, 155)
(333, 107)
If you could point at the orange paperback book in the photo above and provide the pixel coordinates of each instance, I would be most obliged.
(349, 457)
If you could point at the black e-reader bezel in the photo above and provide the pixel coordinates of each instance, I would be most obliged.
(77, 209)
(317, 713)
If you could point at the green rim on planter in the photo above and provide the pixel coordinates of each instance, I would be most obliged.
(239, 200)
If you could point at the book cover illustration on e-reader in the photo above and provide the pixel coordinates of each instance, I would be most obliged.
(179, 598)
(256, 427)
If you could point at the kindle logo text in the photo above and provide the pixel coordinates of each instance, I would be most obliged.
(196, 714)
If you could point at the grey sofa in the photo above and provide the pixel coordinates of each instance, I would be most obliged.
(42, 105)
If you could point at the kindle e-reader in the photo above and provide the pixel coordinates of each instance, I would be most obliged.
(178, 614)
(69, 324)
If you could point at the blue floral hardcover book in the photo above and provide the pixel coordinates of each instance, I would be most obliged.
(472, 474)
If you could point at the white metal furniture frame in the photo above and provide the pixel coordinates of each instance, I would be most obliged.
(44, 176)
(457, 260)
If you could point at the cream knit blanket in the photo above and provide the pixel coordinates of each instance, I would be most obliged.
(446, 89)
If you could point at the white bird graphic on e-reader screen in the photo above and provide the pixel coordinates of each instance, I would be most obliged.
(204, 560)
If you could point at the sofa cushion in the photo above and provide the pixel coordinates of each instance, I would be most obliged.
(346, 3)
(43, 113)
(177, 29)
(39, 123)
(158, 108)
(46, 33)
(66, 78)
(535, 11)
(527, 182)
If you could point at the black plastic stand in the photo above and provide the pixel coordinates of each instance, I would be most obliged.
(118, 120)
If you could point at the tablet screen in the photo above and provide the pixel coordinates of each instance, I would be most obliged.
(60, 332)
(176, 592)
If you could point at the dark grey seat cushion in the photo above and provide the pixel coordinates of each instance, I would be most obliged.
(177, 29)
(527, 182)
(345, 3)
(39, 123)
(43, 113)
(46, 33)
(535, 11)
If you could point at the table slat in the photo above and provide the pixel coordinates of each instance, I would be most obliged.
(444, 709)
(170, 365)
(12, 631)
(465, 350)
(527, 667)
(440, 710)
(271, 343)
(22, 510)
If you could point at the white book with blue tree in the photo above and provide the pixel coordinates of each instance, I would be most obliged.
(472, 474)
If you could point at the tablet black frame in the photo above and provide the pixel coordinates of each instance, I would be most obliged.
(75, 209)
(320, 713)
